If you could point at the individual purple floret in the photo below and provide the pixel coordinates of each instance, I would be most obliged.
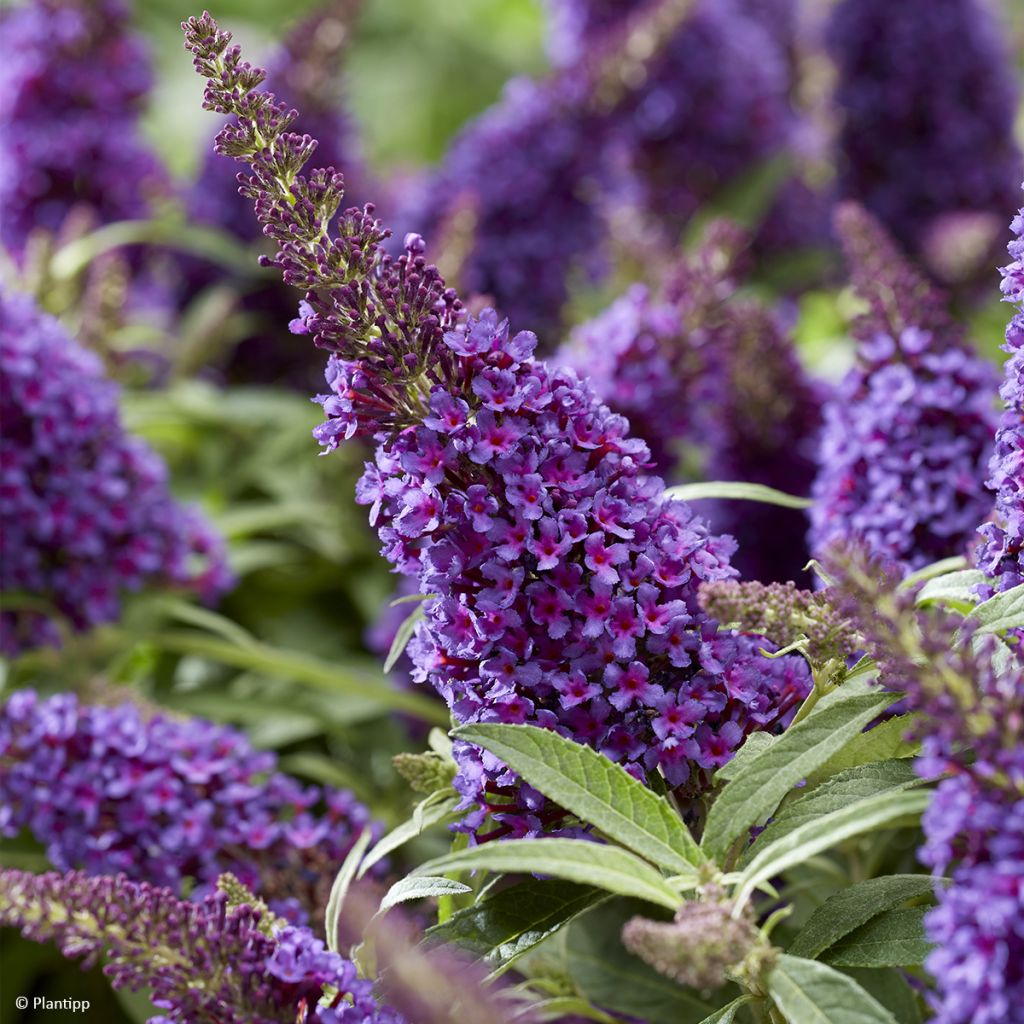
(73, 80)
(917, 146)
(200, 961)
(909, 430)
(85, 507)
(1001, 551)
(525, 169)
(565, 582)
(971, 716)
(166, 799)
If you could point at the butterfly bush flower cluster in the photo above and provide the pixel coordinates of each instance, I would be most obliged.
(713, 104)
(72, 81)
(204, 960)
(972, 715)
(909, 430)
(1001, 551)
(173, 801)
(915, 146)
(565, 583)
(525, 169)
(85, 507)
(699, 366)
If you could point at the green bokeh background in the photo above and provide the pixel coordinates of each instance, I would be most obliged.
(416, 70)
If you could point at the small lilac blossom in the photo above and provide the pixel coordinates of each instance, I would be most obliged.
(108, 790)
(909, 430)
(86, 510)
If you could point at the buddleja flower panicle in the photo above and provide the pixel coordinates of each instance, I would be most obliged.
(111, 789)
(200, 961)
(565, 583)
(971, 717)
(909, 430)
(86, 510)
(1001, 551)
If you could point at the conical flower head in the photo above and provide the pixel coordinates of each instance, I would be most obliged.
(86, 511)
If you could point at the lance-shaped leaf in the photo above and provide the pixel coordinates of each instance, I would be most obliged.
(339, 890)
(595, 789)
(736, 490)
(878, 811)
(420, 887)
(894, 938)
(431, 811)
(999, 613)
(838, 792)
(574, 860)
(808, 992)
(852, 907)
(505, 924)
(754, 793)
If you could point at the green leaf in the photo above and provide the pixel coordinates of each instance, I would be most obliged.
(954, 588)
(838, 792)
(614, 979)
(339, 890)
(756, 743)
(889, 987)
(402, 637)
(944, 567)
(849, 908)
(303, 668)
(999, 613)
(419, 888)
(808, 992)
(894, 938)
(595, 789)
(755, 791)
(873, 812)
(574, 860)
(504, 925)
(884, 742)
(727, 1014)
(427, 813)
(558, 1008)
(737, 490)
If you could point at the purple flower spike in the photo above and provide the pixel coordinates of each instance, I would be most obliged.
(85, 507)
(201, 961)
(167, 800)
(73, 80)
(500, 648)
(916, 147)
(909, 430)
(1001, 552)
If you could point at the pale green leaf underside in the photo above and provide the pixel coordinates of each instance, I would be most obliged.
(736, 490)
(574, 860)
